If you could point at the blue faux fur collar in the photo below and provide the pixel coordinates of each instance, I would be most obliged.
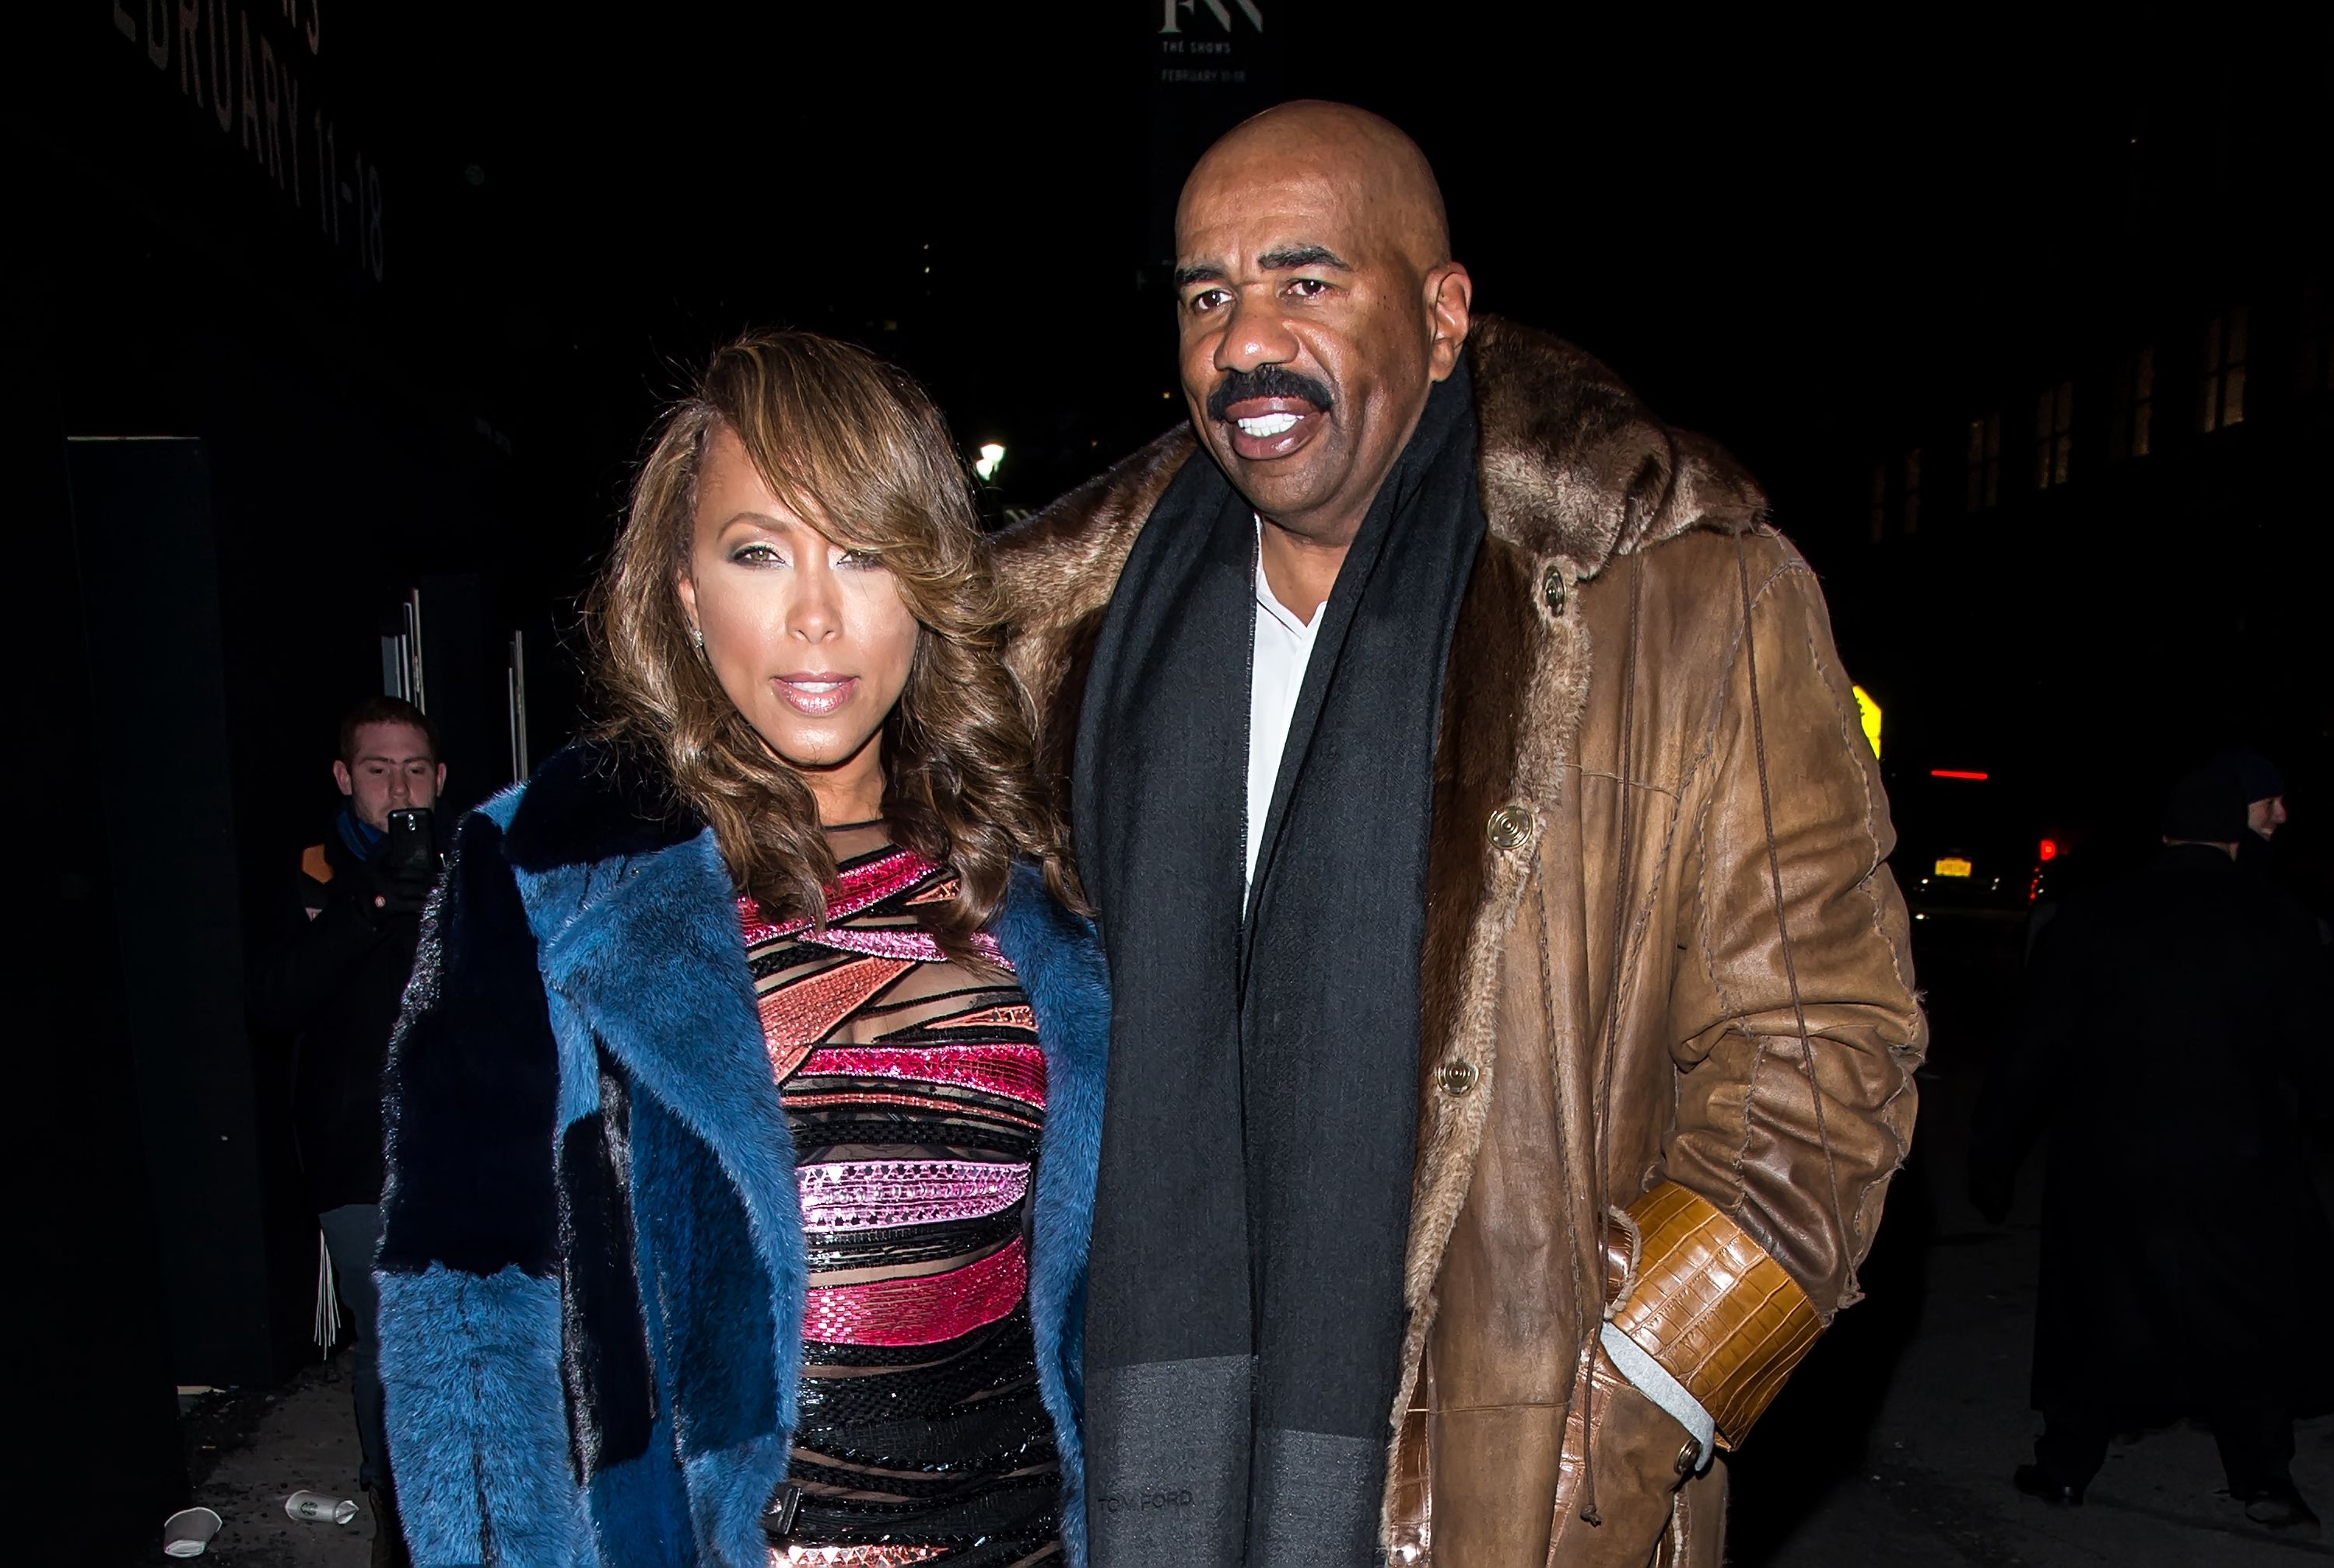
(632, 907)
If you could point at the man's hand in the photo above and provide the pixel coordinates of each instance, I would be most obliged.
(1625, 1457)
(401, 889)
(372, 893)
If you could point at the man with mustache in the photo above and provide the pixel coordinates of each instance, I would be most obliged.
(1513, 1029)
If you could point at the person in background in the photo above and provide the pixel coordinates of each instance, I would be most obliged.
(332, 981)
(2172, 1024)
(2263, 787)
(2262, 784)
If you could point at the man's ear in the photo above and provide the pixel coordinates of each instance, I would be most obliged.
(440, 787)
(1449, 301)
(340, 778)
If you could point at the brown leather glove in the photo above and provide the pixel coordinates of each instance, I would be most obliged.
(1623, 1456)
(1692, 1290)
(1632, 1456)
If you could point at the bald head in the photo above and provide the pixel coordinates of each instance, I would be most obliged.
(1348, 150)
(1317, 306)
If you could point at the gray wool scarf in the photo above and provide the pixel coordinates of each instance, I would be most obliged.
(1245, 1314)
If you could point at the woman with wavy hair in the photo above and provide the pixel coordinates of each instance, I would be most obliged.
(743, 1121)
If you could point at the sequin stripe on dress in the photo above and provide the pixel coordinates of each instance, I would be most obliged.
(1018, 1128)
(886, 942)
(869, 1194)
(1012, 1016)
(879, 1554)
(1015, 1071)
(919, 1309)
(898, 877)
(799, 1013)
(909, 1124)
(858, 888)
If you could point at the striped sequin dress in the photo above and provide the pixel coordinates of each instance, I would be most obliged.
(915, 1089)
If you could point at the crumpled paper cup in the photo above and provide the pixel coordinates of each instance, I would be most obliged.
(185, 1533)
(315, 1508)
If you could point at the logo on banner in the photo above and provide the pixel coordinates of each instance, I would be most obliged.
(1174, 11)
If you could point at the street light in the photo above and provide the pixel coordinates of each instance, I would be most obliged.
(991, 454)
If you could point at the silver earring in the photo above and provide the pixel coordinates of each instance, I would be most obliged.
(699, 631)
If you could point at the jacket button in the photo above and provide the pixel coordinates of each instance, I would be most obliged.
(1689, 1456)
(1458, 1076)
(1551, 588)
(1510, 827)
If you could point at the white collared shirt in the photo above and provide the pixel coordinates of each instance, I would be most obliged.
(1284, 647)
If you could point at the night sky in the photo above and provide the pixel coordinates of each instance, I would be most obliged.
(1821, 244)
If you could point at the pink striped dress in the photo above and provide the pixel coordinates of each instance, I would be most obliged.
(915, 1089)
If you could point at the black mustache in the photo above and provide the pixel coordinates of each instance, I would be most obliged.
(1270, 381)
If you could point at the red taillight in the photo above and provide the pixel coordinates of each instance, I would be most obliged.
(2047, 850)
(1956, 773)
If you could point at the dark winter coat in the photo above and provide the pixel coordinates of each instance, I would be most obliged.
(331, 980)
(593, 1277)
(1668, 1028)
(2170, 1025)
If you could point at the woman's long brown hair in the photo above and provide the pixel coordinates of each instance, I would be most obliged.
(854, 446)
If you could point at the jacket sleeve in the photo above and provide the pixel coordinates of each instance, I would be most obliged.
(310, 958)
(470, 1266)
(2304, 1003)
(1796, 1027)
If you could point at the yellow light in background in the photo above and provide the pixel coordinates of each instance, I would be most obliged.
(991, 454)
(1953, 866)
(1868, 711)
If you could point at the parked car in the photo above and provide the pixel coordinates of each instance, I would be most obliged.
(1972, 843)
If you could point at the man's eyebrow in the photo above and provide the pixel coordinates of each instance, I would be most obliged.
(1271, 261)
(1302, 256)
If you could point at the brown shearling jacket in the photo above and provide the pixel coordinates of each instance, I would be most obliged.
(1669, 1025)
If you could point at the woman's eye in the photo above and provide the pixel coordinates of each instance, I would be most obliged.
(859, 560)
(756, 555)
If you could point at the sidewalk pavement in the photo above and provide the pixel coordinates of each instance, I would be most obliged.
(1952, 1419)
(306, 1437)
(1893, 1446)
(1932, 1492)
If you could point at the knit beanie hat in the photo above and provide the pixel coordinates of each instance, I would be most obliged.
(2255, 773)
(2206, 806)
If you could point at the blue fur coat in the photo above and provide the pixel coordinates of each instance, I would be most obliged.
(591, 1273)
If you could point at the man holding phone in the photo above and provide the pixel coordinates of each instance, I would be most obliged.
(334, 981)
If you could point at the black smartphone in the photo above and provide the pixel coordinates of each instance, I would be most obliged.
(409, 857)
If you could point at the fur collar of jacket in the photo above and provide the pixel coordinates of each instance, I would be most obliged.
(1574, 470)
(592, 1273)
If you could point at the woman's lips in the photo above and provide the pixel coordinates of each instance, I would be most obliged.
(1265, 428)
(815, 696)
